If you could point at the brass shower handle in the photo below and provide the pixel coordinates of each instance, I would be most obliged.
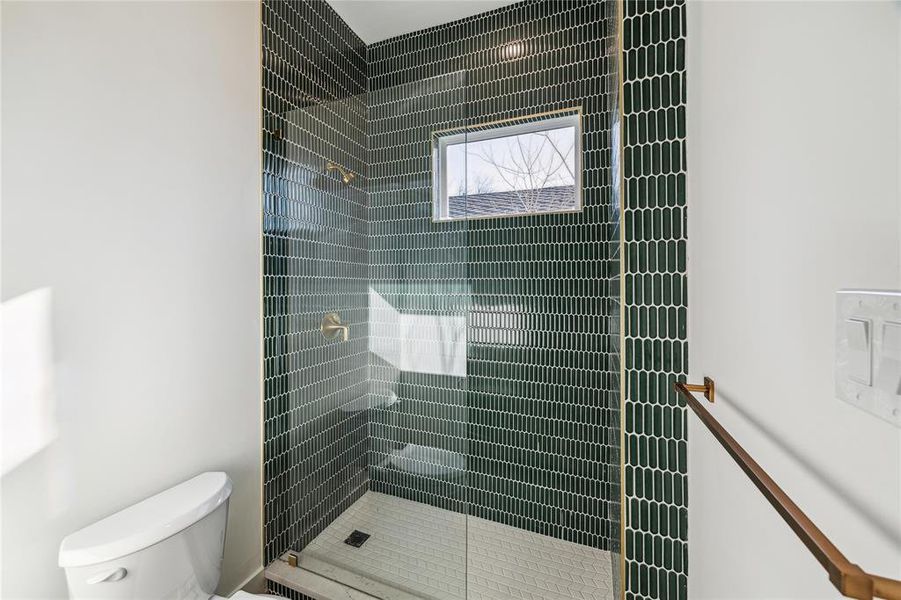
(332, 327)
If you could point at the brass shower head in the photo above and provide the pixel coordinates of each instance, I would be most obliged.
(346, 175)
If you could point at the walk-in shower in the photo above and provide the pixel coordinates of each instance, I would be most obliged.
(442, 302)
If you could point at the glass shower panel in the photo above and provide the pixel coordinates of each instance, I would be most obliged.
(419, 301)
(419, 306)
(315, 261)
(406, 536)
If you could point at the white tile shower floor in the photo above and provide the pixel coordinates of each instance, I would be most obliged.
(416, 551)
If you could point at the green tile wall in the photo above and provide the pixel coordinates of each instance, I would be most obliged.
(655, 300)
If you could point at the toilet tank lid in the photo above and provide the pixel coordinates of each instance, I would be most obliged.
(147, 522)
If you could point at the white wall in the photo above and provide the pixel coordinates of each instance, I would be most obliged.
(130, 156)
(793, 194)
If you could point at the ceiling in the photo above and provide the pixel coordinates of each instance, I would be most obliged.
(377, 20)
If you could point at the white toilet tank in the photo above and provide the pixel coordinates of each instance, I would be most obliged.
(167, 547)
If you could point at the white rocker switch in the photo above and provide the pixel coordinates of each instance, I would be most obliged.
(889, 379)
(858, 332)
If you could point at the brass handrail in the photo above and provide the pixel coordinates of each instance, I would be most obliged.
(847, 577)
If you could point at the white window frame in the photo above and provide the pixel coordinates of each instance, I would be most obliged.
(501, 129)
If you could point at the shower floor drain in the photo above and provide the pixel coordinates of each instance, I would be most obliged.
(356, 539)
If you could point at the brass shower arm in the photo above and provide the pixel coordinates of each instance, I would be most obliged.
(346, 175)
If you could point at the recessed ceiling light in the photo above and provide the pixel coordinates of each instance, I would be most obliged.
(513, 50)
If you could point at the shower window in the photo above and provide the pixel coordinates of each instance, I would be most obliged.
(516, 167)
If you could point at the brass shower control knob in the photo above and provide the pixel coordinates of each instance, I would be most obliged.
(332, 327)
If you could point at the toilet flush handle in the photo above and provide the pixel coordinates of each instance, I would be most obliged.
(108, 576)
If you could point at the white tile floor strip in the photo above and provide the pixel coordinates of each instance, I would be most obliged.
(312, 585)
(419, 552)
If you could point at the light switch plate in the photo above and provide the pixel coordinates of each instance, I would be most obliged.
(868, 351)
